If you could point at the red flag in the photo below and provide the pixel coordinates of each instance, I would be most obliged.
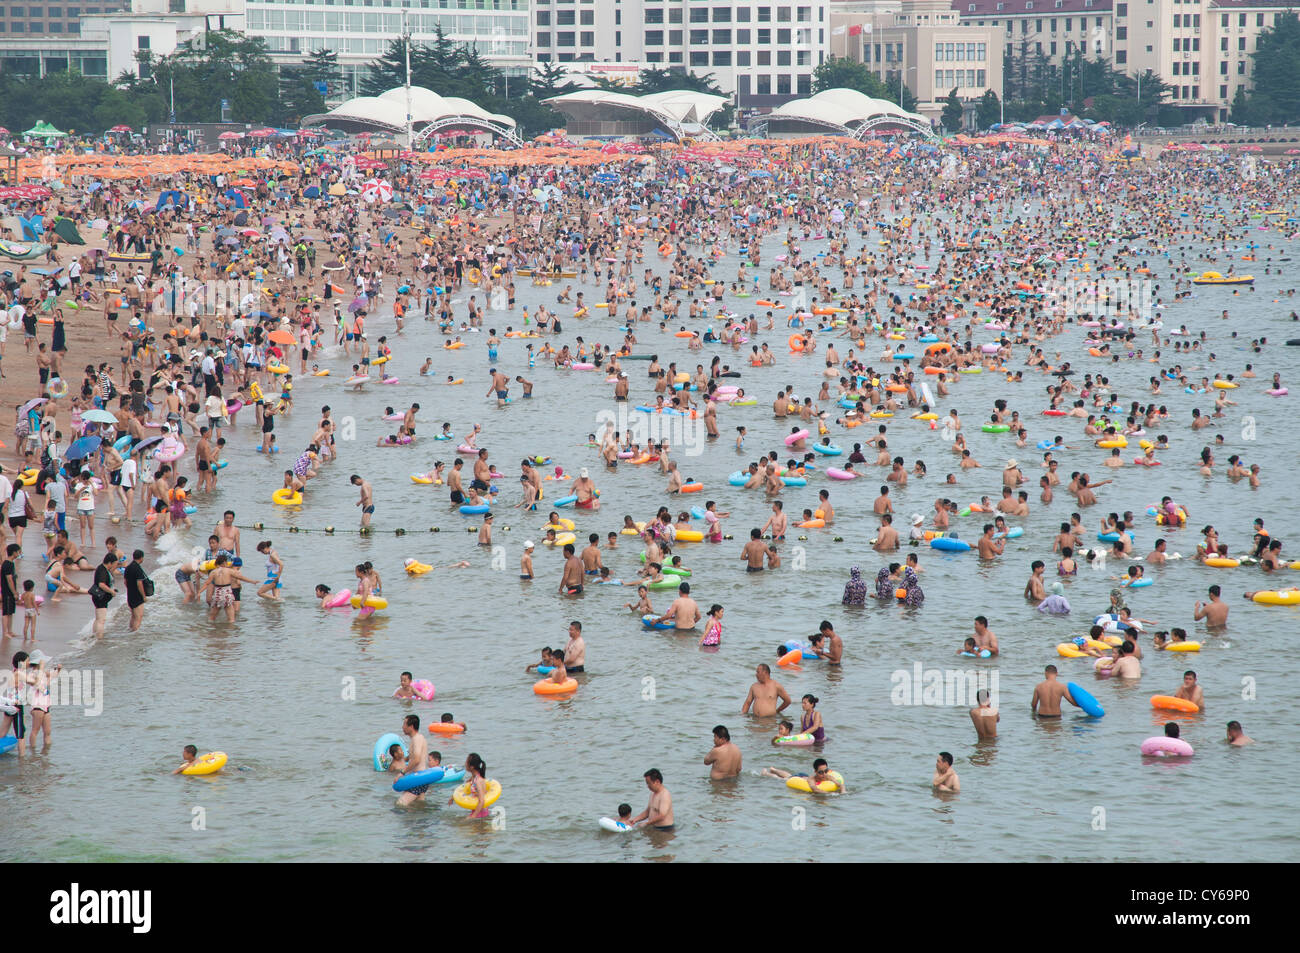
(855, 29)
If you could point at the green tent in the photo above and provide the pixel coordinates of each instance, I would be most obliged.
(43, 130)
(67, 230)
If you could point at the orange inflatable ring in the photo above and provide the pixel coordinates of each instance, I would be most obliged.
(796, 342)
(453, 347)
(896, 388)
(939, 347)
(665, 249)
(446, 728)
(790, 659)
(812, 524)
(684, 334)
(1094, 352)
(548, 687)
(692, 487)
(900, 593)
(934, 370)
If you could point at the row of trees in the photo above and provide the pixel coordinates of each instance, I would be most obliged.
(1275, 99)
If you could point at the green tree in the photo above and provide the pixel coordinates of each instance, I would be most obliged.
(952, 112)
(989, 109)
(1275, 97)
(840, 73)
(550, 79)
(897, 92)
(322, 66)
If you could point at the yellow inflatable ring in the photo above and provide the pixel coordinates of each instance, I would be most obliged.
(690, 536)
(1222, 562)
(1112, 444)
(561, 539)
(417, 568)
(560, 526)
(278, 368)
(286, 497)
(474, 276)
(372, 602)
(209, 763)
(1274, 597)
(825, 787)
(1224, 385)
(640, 528)
(464, 797)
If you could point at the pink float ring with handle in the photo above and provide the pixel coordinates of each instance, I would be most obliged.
(795, 437)
(339, 599)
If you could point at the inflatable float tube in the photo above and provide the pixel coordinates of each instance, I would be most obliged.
(739, 478)
(794, 481)
(995, 428)
(829, 449)
(337, 601)
(1014, 532)
(469, 510)
(286, 497)
(566, 500)
(209, 763)
(372, 602)
(1084, 700)
(835, 473)
(548, 687)
(1165, 747)
(419, 778)
(1171, 703)
(617, 827)
(648, 621)
(381, 749)
(463, 796)
(1274, 597)
(949, 544)
(830, 786)
(690, 536)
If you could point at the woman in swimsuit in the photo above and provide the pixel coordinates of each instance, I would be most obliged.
(222, 584)
(811, 720)
(40, 701)
(713, 631)
(1067, 566)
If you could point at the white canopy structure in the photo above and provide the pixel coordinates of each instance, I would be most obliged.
(845, 112)
(598, 113)
(430, 113)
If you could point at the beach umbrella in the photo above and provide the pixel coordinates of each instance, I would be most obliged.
(376, 190)
(97, 416)
(83, 447)
(358, 304)
(34, 402)
(279, 337)
(227, 136)
(332, 265)
(146, 442)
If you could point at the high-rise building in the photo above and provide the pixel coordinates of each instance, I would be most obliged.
(764, 53)
(360, 31)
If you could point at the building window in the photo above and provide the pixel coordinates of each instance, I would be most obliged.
(742, 38)
(742, 58)
(1121, 33)
(782, 57)
(565, 17)
(1241, 42)
(654, 37)
(742, 85)
(1121, 57)
(142, 42)
(587, 18)
(764, 36)
(1223, 92)
(543, 17)
(588, 38)
(782, 37)
(765, 86)
(699, 15)
(742, 15)
(654, 15)
(765, 16)
(1121, 9)
(543, 39)
(1241, 68)
(699, 58)
(674, 58)
(722, 58)
(722, 15)
(782, 16)
(783, 85)
(699, 38)
(764, 58)
(674, 37)
(1223, 67)
(675, 15)
(722, 38)
(567, 38)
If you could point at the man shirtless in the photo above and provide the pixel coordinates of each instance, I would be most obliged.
(828, 645)
(571, 578)
(1214, 612)
(591, 562)
(417, 759)
(1190, 690)
(585, 490)
(984, 716)
(945, 778)
(777, 523)
(659, 811)
(1048, 694)
(984, 637)
(367, 501)
(1127, 665)
(754, 552)
(763, 694)
(500, 387)
(227, 534)
(725, 758)
(684, 612)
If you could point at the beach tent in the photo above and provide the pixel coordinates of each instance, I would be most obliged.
(237, 197)
(33, 228)
(43, 130)
(67, 230)
(311, 192)
(170, 197)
